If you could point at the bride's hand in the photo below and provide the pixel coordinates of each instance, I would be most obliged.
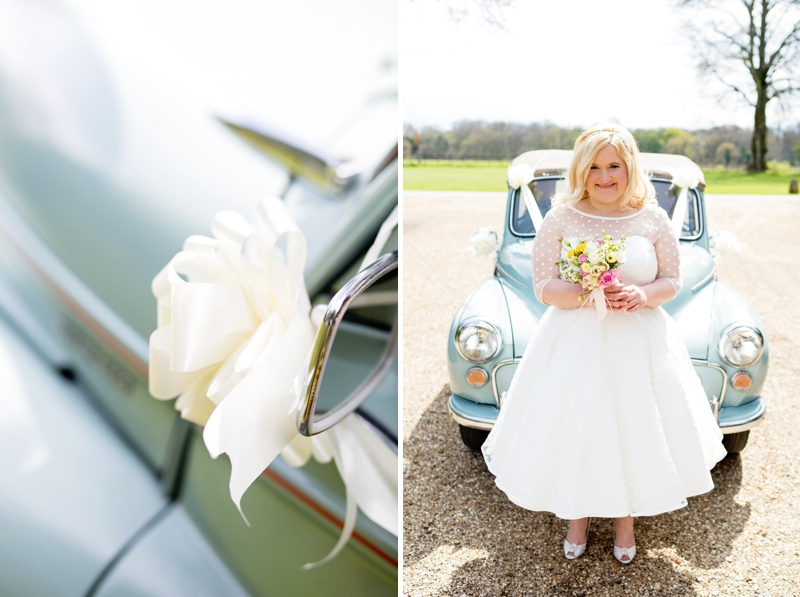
(636, 299)
(617, 296)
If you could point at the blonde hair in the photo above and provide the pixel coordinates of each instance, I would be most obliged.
(639, 191)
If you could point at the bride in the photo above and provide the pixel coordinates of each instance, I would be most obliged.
(605, 417)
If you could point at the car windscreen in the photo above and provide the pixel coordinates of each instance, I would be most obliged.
(543, 190)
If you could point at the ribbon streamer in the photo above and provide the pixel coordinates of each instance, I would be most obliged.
(679, 213)
(235, 331)
(599, 298)
(519, 176)
(384, 233)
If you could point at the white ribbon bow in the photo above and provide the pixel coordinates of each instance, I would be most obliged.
(519, 177)
(234, 335)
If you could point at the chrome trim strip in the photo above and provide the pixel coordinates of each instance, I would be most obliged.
(307, 424)
(299, 157)
(700, 217)
(70, 292)
(737, 426)
(732, 327)
(705, 280)
(514, 194)
(715, 406)
(475, 424)
(494, 379)
(508, 276)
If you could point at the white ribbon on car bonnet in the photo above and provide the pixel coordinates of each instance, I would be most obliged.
(233, 339)
(519, 176)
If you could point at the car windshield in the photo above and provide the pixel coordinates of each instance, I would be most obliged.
(544, 188)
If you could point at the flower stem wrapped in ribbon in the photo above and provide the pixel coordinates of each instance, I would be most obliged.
(594, 264)
(235, 330)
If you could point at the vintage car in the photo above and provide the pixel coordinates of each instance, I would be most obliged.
(723, 334)
(104, 171)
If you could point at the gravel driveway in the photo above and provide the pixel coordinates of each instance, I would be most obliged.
(461, 535)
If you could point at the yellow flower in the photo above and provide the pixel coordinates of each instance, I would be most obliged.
(581, 247)
(571, 253)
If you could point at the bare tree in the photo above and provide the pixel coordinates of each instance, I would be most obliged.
(753, 48)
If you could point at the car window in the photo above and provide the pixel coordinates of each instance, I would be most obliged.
(543, 190)
(667, 197)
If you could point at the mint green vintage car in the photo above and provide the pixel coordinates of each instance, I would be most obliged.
(104, 171)
(724, 335)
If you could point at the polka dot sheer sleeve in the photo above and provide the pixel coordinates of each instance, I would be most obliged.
(667, 251)
(546, 251)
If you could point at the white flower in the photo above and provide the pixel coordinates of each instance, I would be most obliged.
(598, 269)
(596, 256)
(484, 241)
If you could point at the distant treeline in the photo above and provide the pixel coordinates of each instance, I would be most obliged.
(477, 140)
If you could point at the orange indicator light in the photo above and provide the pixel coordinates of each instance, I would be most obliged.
(741, 381)
(476, 377)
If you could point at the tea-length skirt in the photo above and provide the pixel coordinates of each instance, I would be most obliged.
(604, 418)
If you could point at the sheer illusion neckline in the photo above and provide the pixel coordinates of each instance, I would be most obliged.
(581, 213)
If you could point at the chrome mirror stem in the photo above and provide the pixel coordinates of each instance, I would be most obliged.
(307, 423)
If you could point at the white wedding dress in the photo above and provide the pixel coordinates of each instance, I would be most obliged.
(605, 418)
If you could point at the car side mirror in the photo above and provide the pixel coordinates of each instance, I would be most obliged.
(308, 423)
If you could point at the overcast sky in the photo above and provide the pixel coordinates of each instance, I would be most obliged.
(572, 62)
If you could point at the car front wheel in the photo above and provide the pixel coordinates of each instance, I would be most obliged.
(473, 438)
(735, 442)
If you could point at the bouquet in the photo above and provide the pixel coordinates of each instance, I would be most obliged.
(594, 264)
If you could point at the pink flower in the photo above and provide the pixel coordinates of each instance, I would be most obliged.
(582, 258)
(609, 277)
(599, 243)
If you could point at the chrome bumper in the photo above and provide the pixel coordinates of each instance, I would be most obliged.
(471, 414)
(741, 418)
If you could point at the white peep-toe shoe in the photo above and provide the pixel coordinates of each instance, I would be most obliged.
(624, 552)
(624, 555)
(574, 548)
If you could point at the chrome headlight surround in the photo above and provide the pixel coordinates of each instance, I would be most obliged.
(741, 345)
(488, 344)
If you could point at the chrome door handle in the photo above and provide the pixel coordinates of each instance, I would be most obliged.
(307, 423)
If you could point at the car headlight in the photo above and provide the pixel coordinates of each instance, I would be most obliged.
(478, 341)
(741, 345)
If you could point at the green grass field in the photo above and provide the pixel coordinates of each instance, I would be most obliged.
(446, 175)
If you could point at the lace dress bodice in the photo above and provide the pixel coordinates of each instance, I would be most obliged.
(651, 246)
